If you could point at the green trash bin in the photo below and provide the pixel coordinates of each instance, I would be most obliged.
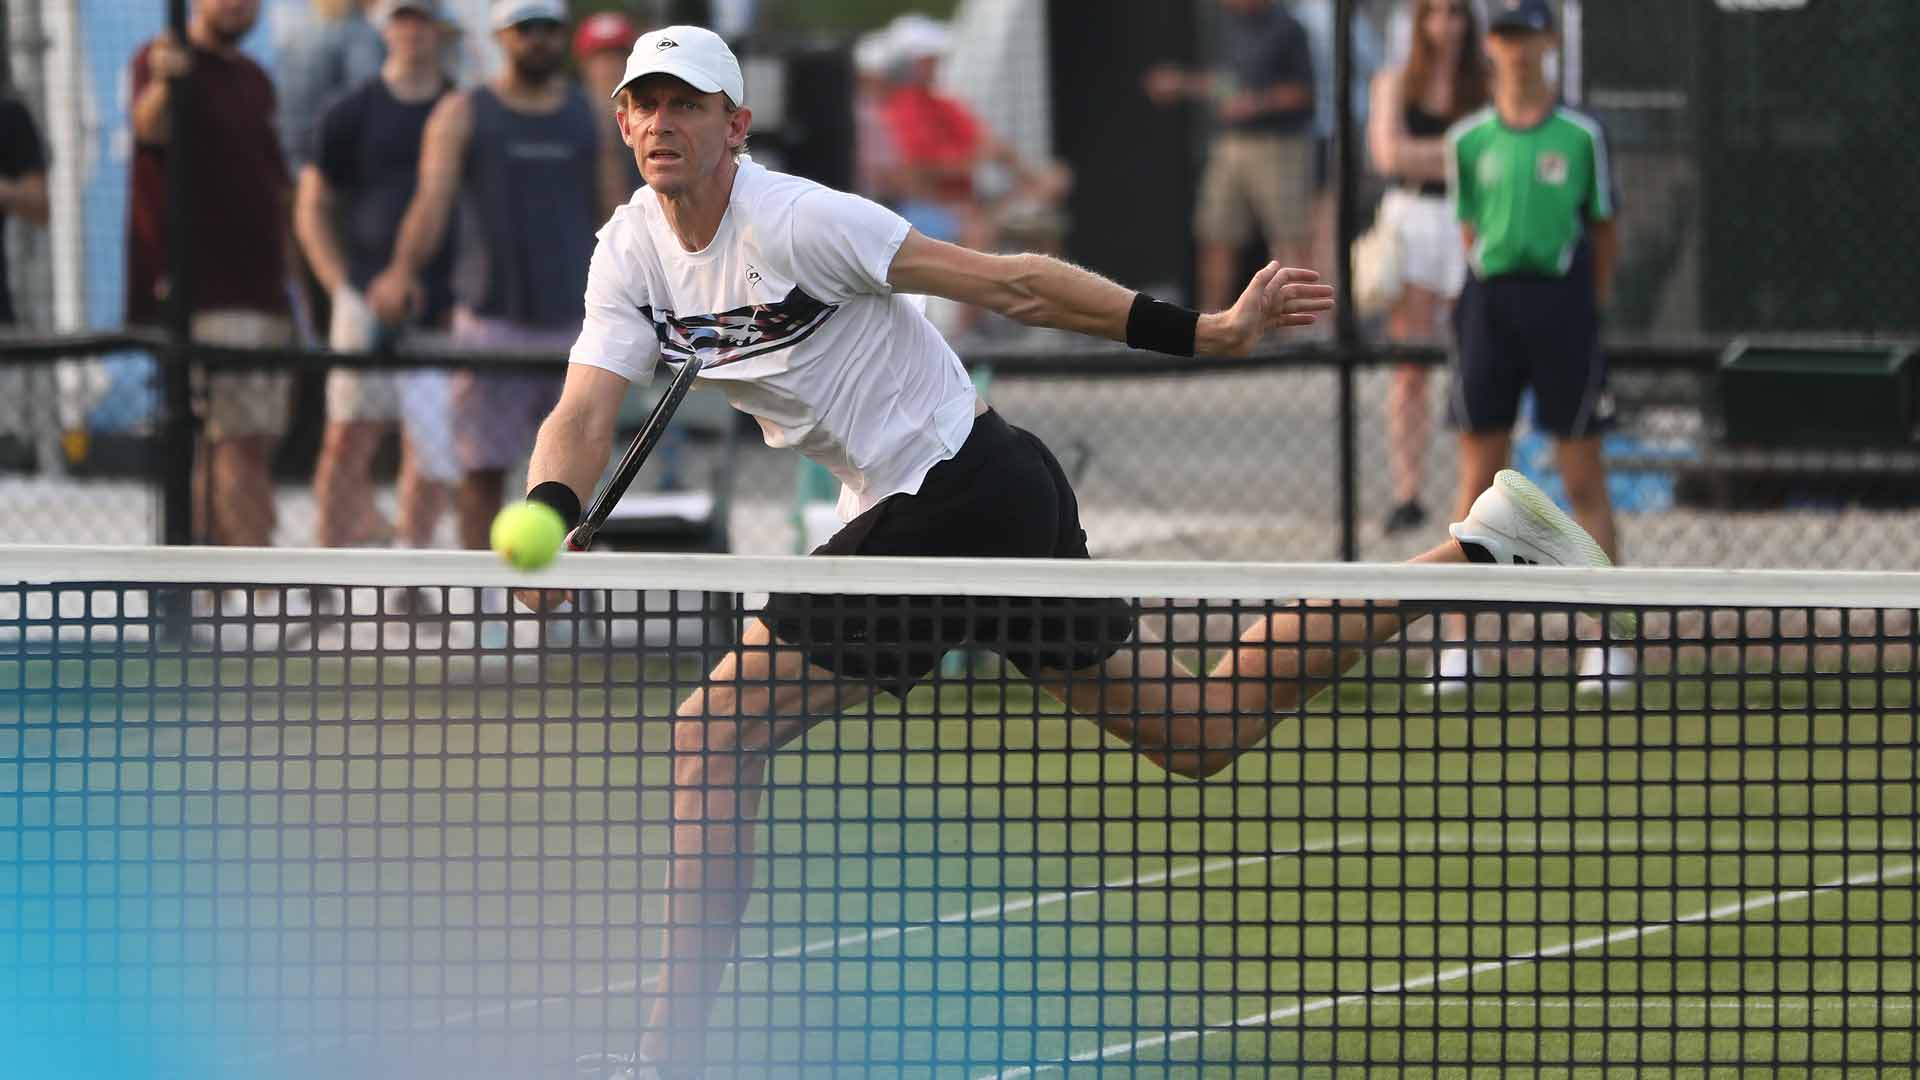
(1817, 395)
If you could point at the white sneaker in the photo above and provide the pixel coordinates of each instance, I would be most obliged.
(1605, 670)
(1514, 522)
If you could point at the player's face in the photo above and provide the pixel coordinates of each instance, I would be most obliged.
(679, 135)
(536, 48)
(230, 20)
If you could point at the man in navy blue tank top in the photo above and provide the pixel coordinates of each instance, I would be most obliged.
(361, 171)
(515, 160)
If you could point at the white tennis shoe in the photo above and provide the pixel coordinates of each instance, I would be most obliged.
(1514, 522)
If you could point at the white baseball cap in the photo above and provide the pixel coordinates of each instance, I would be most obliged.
(914, 36)
(505, 13)
(692, 54)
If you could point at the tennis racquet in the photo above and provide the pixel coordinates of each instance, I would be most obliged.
(643, 442)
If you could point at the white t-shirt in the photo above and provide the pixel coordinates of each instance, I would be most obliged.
(815, 345)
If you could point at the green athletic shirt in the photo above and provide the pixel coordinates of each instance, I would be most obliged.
(1528, 193)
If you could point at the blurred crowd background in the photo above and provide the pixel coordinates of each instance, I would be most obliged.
(1759, 334)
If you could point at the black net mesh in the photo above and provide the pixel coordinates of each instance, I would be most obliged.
(358, 828)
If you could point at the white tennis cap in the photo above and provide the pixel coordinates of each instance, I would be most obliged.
(507, 13)
(695, 56)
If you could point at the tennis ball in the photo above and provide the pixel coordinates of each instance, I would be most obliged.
(528, 535)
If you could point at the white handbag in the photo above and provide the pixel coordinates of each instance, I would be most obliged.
(1379, 263)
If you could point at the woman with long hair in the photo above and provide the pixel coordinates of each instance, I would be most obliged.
(1443, 80)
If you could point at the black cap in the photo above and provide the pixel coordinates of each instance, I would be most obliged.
(1533, 15)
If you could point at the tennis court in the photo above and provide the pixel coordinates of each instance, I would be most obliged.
(421, 860)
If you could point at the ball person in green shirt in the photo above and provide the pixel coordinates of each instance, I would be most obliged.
(1533, 191)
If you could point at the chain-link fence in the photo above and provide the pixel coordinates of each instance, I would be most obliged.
(1755, 168)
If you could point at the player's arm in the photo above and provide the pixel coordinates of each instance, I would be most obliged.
(577, 437)
(313, 214)
(1042, 291)
(443, 149)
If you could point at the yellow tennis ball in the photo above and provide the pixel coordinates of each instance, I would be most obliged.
(528, 534)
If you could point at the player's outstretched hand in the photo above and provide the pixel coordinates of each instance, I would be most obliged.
(1277, 297)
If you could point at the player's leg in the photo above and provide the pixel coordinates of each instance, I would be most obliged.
(1197, 724)
(757, 699)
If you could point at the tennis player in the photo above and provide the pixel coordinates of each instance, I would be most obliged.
(804, 285)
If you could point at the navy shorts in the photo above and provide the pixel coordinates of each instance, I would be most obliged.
(1518, 333)
(1003, 495)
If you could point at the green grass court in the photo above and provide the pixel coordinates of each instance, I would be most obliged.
(375, 870)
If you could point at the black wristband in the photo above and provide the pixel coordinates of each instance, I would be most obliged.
(1161, 327)
(559, 496)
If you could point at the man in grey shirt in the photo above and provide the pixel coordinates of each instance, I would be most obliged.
(317, 62)
(517, 159)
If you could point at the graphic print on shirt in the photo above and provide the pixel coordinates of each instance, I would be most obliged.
(745, 332)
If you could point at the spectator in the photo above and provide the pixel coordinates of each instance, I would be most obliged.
(352, 194)
(1533, 192)
(942, 146)
(1316, 18)
(23, 194)
(1443, 80)
(23, 184)
(1260, 168)
(876, 158)
(324, 58)
(238, 213)
(518, 156)
(600, 47)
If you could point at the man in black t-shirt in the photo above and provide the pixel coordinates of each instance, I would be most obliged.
(353, 192)
(23, 184)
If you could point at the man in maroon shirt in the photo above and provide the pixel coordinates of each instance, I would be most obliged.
(238, 220)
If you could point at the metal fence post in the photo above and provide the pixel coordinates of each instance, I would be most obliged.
(1346, 321)
(177, 429)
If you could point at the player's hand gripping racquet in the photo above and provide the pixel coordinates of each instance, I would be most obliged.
(643, 442)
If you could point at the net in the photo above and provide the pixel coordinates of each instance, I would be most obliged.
(289, 814)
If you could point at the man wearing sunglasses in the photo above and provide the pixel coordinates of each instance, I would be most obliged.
(516, 158)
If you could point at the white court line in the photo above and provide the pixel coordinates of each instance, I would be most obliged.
(1881, 876)
(1827, 1001)
(984, 913)
(988, 912)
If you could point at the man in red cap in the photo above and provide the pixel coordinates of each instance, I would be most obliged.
(600, 47)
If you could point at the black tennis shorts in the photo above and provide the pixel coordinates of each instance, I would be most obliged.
(1518, 332)
(1003, 495)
